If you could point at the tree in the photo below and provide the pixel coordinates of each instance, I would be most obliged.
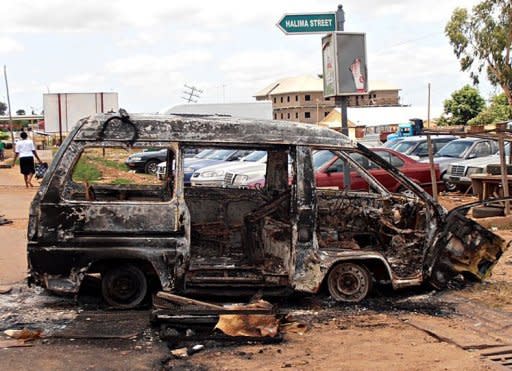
(464, 104)
(498, 111)
(20, 112)
(3, 108)
(483, 39)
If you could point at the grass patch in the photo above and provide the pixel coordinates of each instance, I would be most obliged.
(121, 181)
(86, 171)
(110, 163)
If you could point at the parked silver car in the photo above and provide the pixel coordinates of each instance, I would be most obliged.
(417, 147)
(462, 149)
(459, 173)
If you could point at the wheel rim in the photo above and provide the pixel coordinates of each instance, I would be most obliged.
(124, 287)
(349, 282)
(152, 168)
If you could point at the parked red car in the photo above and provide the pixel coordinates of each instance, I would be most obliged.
(329, 171)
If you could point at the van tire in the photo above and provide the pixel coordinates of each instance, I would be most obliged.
(349, 282)
(124, 286)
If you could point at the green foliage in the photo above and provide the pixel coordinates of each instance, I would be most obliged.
(498, 111)
(482, 40)
(3, 108)
(20, 112)
(464, 104)
(4, 135)
(86, 171)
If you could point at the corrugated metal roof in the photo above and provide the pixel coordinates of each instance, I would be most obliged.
(252, 110)
(310, 83)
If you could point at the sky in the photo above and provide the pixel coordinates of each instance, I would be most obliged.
(147, 50)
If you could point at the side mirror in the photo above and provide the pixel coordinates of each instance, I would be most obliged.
(331, 170)
(471, 155)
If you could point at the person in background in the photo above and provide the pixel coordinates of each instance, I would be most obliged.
(26, 151)
(2, 149)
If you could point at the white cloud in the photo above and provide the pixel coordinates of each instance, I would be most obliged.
(251, 68)
(8, 45)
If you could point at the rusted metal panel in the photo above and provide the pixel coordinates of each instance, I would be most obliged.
(208, 130)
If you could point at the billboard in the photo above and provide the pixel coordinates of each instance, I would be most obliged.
(344, 64)
(63, 110)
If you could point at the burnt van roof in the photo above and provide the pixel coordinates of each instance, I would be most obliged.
(203, 130)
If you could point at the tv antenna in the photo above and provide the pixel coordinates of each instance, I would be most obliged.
(192, 94)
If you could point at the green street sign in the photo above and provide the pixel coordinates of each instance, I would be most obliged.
(292, 24)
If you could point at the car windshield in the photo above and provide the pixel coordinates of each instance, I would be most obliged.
(255, 156)
(204, 153)
(392, 143)
(454, 149)
(220, 154)
(405, 147)
(320, 158)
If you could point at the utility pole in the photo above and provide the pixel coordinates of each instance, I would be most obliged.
(9, 105)
(342, 102)
(191, 93)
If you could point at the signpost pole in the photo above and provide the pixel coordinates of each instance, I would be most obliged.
(342, 101)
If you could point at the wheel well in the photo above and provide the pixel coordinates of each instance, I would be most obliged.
(376, 267)
(147, 268)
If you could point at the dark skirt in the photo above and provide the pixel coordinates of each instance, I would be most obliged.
(27, 165)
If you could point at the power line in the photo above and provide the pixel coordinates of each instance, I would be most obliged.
(382, 51)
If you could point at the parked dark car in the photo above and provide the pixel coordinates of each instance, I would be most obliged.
(146, 161)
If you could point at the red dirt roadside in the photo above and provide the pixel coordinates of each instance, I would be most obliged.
(14, 203)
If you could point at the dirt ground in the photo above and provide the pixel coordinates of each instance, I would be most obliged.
(406, 330)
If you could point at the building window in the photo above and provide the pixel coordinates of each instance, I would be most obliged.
(281, 99)
(374, 95)
(288, 115)
(275, 100)
(296, 115)
(275, 116)
(357, 100)
(281, 113)
(296, 98)
(307, 115)
(288, 98)
(307, 97)
(328, 98)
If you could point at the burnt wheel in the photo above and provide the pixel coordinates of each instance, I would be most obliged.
(151, 167)
(349, 282)
(124, 286)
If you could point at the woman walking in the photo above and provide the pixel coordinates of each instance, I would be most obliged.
(26, 151)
